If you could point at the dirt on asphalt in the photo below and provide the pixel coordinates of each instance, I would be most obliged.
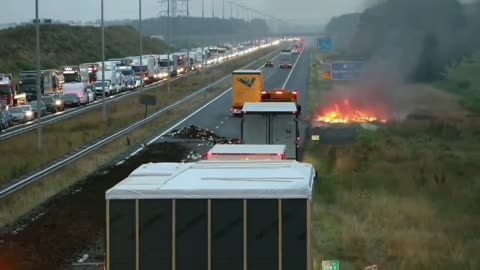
(72, 222)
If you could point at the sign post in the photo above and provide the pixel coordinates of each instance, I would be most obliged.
(331, 265)
(345, 71)
(147, 100)
(325, 44)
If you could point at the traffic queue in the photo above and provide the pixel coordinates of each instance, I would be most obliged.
(79, 85)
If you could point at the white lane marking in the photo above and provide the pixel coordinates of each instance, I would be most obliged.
(217, 127)
(221, 123)
(291, 71)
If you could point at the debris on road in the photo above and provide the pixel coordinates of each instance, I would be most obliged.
(195, 132)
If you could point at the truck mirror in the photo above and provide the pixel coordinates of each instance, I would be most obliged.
(299, 108)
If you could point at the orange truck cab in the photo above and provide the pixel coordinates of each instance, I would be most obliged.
(247, 86)
(281, 95)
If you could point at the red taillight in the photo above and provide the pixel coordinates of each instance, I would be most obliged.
(264, 92)
(295, 92)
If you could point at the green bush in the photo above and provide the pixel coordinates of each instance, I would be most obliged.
(69, 45)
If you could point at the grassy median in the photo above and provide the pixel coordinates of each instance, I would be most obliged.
(402, 197)
(65, 136)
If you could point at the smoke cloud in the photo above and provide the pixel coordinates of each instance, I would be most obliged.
(407, 41)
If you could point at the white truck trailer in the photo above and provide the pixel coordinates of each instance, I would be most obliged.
(271, 123)
(212, 215)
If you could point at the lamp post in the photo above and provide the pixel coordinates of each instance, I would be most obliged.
(39, 93)
(104, 105)
(141, 42)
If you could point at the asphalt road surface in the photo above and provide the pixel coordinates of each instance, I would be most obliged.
(217, 116)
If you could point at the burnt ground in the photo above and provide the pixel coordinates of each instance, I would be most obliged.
(334, 134)
(67, 232)
(68, 225)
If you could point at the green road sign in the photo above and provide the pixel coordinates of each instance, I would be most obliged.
(330, 265)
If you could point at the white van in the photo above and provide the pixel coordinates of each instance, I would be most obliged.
(79, 89)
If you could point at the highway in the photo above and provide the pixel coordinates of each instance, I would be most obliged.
(88, 199)
(216, 116)
(70, 112)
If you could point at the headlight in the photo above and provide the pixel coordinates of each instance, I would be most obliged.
(58, 102)
(28, 113)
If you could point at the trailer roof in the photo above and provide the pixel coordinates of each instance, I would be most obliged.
(248, 149)
(247, 71)
(269, 107)
(280, 179)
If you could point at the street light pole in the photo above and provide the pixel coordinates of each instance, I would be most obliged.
(213, 8)
(223, 9)
(141, 42)
(203, 19)
(168, 48)
(39, 93)
(188, 40)
(104, 105)
(231, 21)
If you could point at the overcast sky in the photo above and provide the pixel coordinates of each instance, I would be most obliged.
(89, 10)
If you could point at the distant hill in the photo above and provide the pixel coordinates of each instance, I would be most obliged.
(65, 45)
(200, 30)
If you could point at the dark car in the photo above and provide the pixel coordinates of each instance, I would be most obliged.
(6, 119)
(50, 104)
(286, 65)
(269, 64)
(38, 106)
(71, 100)
(58, 102)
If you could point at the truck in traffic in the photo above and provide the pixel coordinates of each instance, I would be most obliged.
(9, 93)
(145, 69)
(281, 95)
(247, 86)
(286, 58)
(182, 62)
(271, 123)
(168, 65)
(74, 74)
(115, 79)
(92, 69)
(59, 80)
(28, 83)
(121, 62)
(128, 77)
(235, 214)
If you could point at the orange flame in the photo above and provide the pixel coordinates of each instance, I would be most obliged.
(347, 114)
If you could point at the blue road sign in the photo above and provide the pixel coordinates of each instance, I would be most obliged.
(346, 71)
(325, 44)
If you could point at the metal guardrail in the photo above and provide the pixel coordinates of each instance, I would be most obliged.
(74, 112)
(17, 184)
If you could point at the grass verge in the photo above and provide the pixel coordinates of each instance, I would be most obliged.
(63, 137)
(404, 197)
(462, 79)
(23, 201)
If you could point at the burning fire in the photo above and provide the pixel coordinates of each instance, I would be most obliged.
(345, 113)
